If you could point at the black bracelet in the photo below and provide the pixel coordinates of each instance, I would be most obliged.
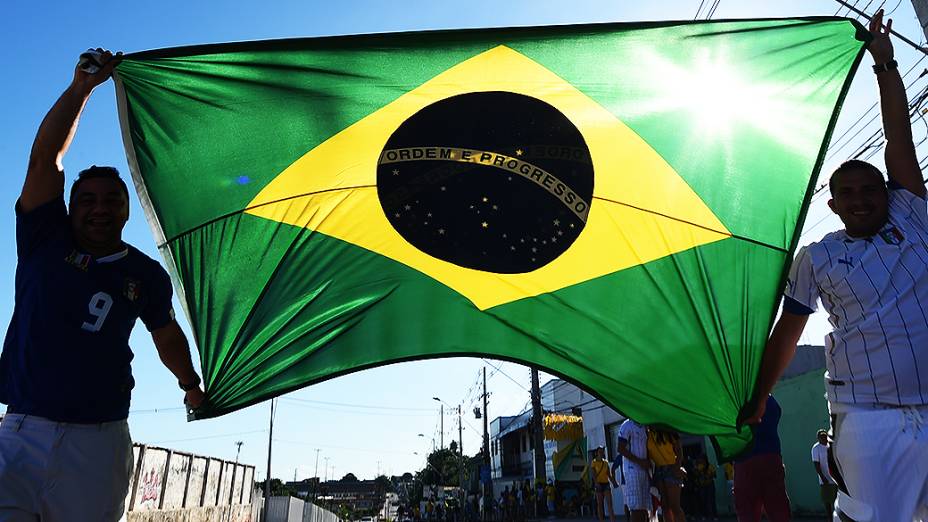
(190, 385)
(883, 67)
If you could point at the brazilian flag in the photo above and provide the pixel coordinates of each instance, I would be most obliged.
(614, 203)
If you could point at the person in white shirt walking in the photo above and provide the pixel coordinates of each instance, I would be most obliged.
(827, 486)
(633, 446)
(872, 279)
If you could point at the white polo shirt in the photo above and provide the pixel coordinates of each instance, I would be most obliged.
(875, 291)
(820, 455)
(637, 437)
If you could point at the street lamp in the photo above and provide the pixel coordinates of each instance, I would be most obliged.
(432, 438)
(460, 445)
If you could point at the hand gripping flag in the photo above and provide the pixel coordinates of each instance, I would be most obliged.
(614, 203)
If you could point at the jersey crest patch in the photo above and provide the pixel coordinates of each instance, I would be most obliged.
(132, 289)
(892, 236)
(78, 260)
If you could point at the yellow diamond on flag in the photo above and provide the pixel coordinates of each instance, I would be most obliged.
(641, 210)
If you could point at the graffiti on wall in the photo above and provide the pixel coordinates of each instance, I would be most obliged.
(150, 486)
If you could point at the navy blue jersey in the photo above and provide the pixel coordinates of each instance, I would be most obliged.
(766, 437)
(66, 356)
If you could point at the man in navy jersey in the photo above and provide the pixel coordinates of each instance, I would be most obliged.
(872, 278)
(65, 451)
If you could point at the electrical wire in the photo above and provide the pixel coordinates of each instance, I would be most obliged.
(296, 402)
(371, 406)
(701, 2)
(506, 375)
(208, 437)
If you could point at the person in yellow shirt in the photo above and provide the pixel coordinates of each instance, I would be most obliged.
(665, 451)
(550, 497)
(602, 478)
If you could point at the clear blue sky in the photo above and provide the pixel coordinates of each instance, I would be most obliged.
(41, 41)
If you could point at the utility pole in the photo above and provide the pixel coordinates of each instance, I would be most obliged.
(486, 447)
(921, 11)
(461, 466)
(537, 427)
(326, 459)
(238, 450)
(442, 410)
(316, 476)
(267, 481)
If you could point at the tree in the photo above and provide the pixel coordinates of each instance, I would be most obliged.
(349, 478)
(384, 484)
(278, 488)
(443, 467)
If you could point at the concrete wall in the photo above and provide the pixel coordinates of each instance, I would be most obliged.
(805, 411)
(285, 509)
(292, 509)
(172, 485)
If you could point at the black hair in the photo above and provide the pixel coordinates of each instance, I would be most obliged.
(853, 164)
(666, 436)
(95, 172)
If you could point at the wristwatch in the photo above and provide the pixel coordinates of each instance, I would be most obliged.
(883, 67)
(189, 385)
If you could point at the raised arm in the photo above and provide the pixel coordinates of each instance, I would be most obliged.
(901, 161)
(779, 351)
(45, 174)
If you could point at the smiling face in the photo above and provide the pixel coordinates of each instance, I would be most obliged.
(99, 210)
(860, 199)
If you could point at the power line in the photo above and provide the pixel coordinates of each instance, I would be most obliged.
(834, 143)
(296, 402)
(157, 410)
(840, 7)
(505, 374)
(314, 444)
(712, 9)
(208, 437)
(894, 8)
(371, 406)
(867, 17)
(701, 2)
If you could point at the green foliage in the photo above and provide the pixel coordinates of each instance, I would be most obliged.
(278, 488)
(443, 468)
(385, 484)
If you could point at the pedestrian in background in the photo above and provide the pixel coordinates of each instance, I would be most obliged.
(666, 453)
(602, 484)
(704, 474)
(633, 446)
(760, 477)
(827, 487)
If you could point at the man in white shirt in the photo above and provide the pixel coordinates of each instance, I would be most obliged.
(633, 446)
(872, 278)
(829, 490)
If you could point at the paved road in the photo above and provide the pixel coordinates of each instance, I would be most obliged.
(689, 519)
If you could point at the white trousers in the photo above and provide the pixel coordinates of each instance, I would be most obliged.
(882, 454)
(57, 471)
